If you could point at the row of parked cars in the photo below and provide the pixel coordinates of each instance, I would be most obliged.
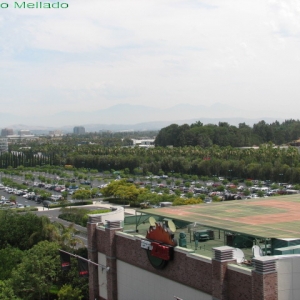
(57, 188)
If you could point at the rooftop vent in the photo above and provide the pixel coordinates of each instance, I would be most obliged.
(113, 224)
(223, 253)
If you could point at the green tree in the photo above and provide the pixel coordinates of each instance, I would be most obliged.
(6, 291)
(248, 183)
(246, 192)
(260, 193)
(220, 188)
(9, 258)
(67, 292)
(65, 194)
(82, 194)
(16, 229)
(13, 198)
(187, 184)
(34, 276)
(177, 182)
(235, 182)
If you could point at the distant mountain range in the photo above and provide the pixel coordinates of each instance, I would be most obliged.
(135, 117)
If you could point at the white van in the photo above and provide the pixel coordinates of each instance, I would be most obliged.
(165, 204)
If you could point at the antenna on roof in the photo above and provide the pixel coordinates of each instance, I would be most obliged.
(239, 255)
(256, 251)
(152, 221)
(171, 226)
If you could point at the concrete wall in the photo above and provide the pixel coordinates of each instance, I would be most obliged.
(113, 215)
(135, 284)
(102, 275)
(288, 268)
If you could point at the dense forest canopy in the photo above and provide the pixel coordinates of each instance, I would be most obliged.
(29, 258)
(224, 134)
(202, 150)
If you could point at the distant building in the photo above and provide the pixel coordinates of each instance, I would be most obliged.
(55, 133)
(3, 145)
(79, 130)
(18, 137)
(145, 143)
(24, 132)
(7, 131)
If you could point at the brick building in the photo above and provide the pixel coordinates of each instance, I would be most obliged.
(127, 270)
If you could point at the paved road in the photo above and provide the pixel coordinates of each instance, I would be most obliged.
(53, 214)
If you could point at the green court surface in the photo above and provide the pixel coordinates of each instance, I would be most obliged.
(274, 217)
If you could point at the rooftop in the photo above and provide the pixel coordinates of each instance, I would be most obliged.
(274, 217)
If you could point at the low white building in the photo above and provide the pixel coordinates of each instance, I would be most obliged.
(146, 143)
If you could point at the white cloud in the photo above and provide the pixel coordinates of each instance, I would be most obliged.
(162, 53)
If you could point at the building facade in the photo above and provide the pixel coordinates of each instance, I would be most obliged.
(79, 130)
(144, 143)
(24, 132)
(126, 271)
(6, 132)
(55, 133)
(3, 145)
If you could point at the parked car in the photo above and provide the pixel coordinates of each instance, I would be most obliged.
(47, 203)
(38, 199)
(85, 182)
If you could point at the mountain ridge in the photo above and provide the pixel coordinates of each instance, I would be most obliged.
(144, 126)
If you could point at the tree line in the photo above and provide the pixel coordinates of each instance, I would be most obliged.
(266, 162)
(202, 150)
(224, 134)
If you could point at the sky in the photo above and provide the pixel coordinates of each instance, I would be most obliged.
(158, 53)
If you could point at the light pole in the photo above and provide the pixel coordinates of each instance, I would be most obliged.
(230, 173)
(281, 177)
(214, 176)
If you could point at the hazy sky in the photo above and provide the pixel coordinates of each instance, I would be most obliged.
(158, 53)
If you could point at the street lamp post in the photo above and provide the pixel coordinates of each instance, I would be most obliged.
(214, 176)
(281, 177)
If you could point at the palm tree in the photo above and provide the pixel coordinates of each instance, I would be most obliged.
(46, 231)
(56, 232)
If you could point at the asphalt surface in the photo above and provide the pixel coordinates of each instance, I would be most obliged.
(53, 214)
